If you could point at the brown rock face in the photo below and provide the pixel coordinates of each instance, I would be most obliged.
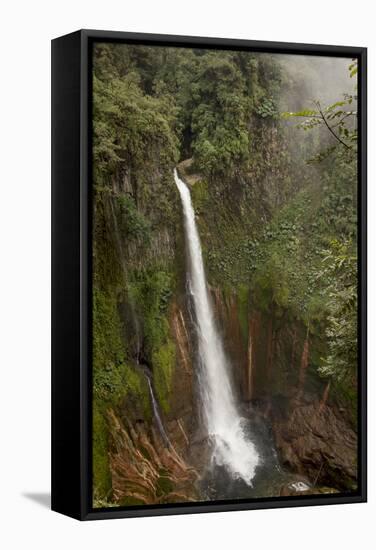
(274, 370)
(316, 441)
(181, 399)
(144, 469)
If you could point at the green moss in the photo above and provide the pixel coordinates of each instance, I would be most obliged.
(118, 381)
(151, 291)
(163, 367)
(108, 358)
(114, 377)
(133, 380)
(101, 470)
(108, 344)
(164, 486)
(113, 380)
(200, 195)
(130, 501)
(134, 384)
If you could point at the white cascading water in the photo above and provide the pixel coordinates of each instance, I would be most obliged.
(231, 447)
(157, 416)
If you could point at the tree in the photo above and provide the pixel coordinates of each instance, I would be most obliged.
(341, 265)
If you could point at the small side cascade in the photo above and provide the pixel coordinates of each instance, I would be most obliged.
(157, 416)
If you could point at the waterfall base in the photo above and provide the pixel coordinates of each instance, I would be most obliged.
(270, 479)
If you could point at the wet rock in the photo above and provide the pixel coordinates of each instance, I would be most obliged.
(303, 488)
(187, 172)
(317, 442)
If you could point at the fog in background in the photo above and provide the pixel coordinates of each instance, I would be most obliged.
(309, 78)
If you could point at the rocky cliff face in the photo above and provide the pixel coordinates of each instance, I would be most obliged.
(272, 362)
(145, 469)
(149, 462)
(314, 440)
(271, 356)
(271, 370)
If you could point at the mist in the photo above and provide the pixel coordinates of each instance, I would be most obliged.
(314, 78)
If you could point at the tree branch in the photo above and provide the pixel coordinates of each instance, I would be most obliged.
(330, 128)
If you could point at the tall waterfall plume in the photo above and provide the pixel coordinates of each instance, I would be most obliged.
(232, 448)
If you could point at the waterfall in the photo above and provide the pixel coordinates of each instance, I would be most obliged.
(231, 447)
(157, 416)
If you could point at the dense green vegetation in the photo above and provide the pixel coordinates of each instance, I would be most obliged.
(276, 208)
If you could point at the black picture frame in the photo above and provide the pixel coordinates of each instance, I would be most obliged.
(71, 272)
